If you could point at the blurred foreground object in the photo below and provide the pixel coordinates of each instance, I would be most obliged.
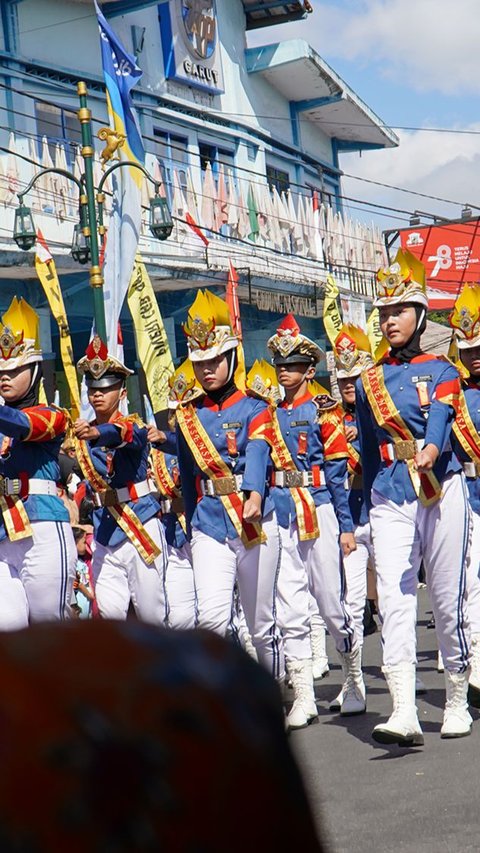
(118, 736)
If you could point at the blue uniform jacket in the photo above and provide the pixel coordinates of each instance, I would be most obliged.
(356, 498)
(120, 456)
(237, 414)
(471, 391)
(30, 441)
(431, 422)
(320, 446)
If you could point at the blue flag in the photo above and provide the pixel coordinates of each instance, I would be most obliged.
(121, 73)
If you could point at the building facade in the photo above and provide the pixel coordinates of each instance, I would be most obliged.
(245, 140)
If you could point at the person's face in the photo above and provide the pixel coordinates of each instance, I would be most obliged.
(14, 384)
(212, 374)
(346, 386)
(105, 401)
(292, 375)
(398, 323)
(471, 359)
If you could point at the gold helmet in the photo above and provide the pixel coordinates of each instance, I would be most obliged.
(402, 281)
(262, 381)
(19, 336)
(183, 385)
(465, 317)
(208, 328)
(352, 351)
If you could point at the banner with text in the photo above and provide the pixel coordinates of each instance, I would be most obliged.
(151, 340)
(451, 255)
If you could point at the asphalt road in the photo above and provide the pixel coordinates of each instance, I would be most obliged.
(368, 797)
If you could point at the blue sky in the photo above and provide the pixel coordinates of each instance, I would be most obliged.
(416, 63)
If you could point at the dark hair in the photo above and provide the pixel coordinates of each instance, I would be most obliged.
(78, 533)
(85, 510)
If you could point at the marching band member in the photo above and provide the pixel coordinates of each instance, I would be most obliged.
(130, 552)
(179, 579)
(465, 320)
(224, 467)
(310, 453)
(352, 353)
(413, 482)
(37, 550)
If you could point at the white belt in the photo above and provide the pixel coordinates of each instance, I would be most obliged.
(10, 486)
(392, 452)
(297, 479)
(471, 470)
(123, 494)
(222, 485)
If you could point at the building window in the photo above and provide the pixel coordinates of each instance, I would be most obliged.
(216, 157)
(59, 126)
(172, 153)
(278, 178)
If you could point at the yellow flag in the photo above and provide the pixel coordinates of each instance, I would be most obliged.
(151, 339)
(47, 273)
(378, 343)
(331, 315)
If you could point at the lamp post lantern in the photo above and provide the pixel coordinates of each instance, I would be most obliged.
(85, 243)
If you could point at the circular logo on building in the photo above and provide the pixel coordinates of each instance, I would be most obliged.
(200, 22)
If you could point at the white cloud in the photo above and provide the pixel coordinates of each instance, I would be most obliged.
(430, 45)
(444, 165)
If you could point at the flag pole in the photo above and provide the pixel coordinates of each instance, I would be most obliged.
(90, 231)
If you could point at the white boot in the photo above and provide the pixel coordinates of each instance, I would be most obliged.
(304, 708)
(402, 727)
(457, 721)
(353, 690)
(318, 637)
(336, 704)
(440, 666)
(474, 680)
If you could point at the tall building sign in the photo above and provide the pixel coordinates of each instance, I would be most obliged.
(191, 50)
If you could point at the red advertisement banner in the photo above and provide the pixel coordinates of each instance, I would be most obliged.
(451, 255)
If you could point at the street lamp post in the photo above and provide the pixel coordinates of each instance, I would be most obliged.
(85, 244)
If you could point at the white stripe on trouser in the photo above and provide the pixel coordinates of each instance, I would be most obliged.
(36, 576)
(216, 565)
(473, 579)
(121, 575)
(316, 564)
(356, 576)
(441, 534)
(180, 588)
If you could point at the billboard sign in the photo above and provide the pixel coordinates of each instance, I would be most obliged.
(450, 254)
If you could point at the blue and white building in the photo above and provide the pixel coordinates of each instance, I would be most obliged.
(228, 127)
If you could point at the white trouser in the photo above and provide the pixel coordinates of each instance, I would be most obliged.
(356, 576)
(36, 575)
(216, 565)
(402, 535)
(121, 575)
(180, 588)
(316, 564)
(473, 579)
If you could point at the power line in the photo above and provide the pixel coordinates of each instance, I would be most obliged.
(243, 169)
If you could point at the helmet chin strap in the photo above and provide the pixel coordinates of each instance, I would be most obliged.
(421, 318)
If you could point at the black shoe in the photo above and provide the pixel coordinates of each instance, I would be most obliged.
(431, 624)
